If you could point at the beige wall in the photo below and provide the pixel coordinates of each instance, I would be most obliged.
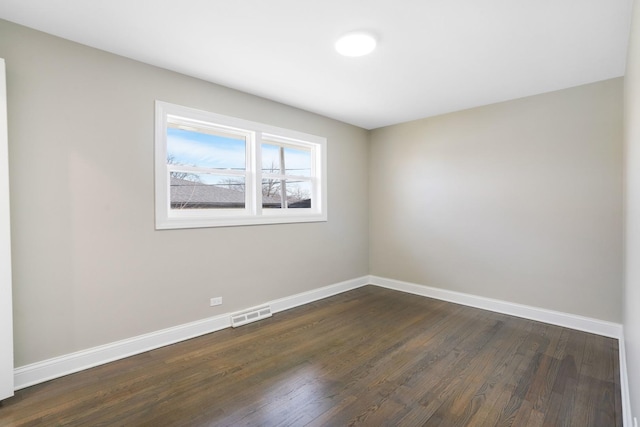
(519, 201)
(89, 268)
(632, 156)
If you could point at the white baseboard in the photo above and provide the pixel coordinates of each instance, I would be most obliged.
(296, 300)
(56, 367)
(39, 372)
(627, 417)
(572, 321)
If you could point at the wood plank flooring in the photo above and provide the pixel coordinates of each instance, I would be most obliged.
(369, 357)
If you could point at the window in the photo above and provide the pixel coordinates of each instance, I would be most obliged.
(214, 170)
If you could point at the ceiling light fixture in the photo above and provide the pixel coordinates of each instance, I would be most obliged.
(357, 43)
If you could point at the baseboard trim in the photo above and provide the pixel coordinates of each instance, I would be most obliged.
(572, 321)
(56, 367)
(627, 417)
(296, 300)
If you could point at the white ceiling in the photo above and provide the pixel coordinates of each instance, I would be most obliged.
(433, 56)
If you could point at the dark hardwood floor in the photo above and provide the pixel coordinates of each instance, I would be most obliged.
(367, 357)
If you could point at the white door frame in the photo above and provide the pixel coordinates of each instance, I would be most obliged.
(6, 311)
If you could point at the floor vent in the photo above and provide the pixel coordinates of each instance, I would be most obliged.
(252, 315)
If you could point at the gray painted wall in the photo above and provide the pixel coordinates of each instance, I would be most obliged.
(519, 201)
(89, 268)
(632, 155)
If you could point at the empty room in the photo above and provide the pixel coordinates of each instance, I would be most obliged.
(290, 213)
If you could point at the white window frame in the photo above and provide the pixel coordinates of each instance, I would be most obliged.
(254, 133)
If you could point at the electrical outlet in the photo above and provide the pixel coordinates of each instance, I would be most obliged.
(215, 301)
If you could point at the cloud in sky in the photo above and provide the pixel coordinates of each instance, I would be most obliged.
(204, 150)
(297, 161)
(192, 148)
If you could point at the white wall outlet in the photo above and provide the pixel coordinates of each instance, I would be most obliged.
(215, 301)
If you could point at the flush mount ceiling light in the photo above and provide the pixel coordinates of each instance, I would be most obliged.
(357, 43)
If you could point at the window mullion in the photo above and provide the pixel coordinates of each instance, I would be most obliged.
(255, 176)
(283, 182)
(316, 186)
(195, 169)
(287, 177)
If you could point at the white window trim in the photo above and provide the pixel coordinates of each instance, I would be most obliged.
(253, 214)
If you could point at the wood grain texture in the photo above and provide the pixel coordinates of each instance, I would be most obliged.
(367, 357)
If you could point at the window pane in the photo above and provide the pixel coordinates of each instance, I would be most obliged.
(271, 196)
(270, 158)
(205, 191)
(297, 161)
(298, 194)
(192, 148)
